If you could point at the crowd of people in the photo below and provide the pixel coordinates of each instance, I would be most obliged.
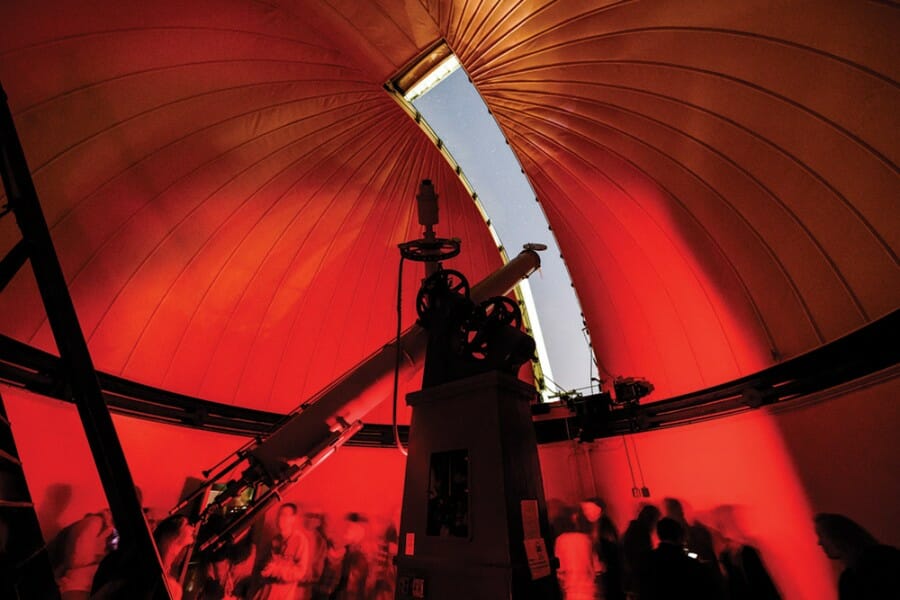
(662, 556)
(303, 560)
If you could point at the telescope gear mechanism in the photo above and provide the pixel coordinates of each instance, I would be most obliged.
(468, 338)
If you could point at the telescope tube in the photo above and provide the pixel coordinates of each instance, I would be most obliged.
(363, 388)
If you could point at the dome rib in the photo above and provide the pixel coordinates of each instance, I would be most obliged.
(183, 179)
(241, 240)
(624, 191)
(345, 258)
(288, 270)
(509, 113)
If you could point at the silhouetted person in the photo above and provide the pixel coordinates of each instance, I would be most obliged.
(81, 547)
(96, 534)
(871, 570)
(173, 535)
(318, 550)
(228, 574)
(384, 572)
(332, 560)
(699, 540)
(217, 583)
(328, 582)
(355, 566)
(671, 573)
(123, 576)
(746, 576)
(637, 545)
(605, 538)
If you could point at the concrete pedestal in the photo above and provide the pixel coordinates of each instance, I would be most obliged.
(474, 521)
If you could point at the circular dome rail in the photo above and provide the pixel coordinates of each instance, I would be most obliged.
(865, 351)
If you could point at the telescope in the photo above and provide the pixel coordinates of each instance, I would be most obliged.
(258, 474)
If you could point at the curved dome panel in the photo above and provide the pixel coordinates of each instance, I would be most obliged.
(225, 192)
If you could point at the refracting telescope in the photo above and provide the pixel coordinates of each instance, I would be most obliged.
(245, 484)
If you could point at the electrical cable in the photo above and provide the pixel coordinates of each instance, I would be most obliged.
(637, 459)
(628, 457)
(587, 340)
(397, 441)
(591, 375)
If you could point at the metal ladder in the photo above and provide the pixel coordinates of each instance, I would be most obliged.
(25, 570)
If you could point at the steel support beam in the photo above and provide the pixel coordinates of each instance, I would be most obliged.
(109, 457)
(12, 262)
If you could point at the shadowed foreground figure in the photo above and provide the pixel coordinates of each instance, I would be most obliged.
(871, 570)
(671, 574)
(637, 547)
(355, 565)
(81, 547)
(746, 574)
(229, 572)
(120, 576)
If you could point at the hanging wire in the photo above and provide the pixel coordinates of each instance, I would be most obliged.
(397, 441)
(637, 459)
(628, 457)
(587, 340)
(574, 468)
(590, 461)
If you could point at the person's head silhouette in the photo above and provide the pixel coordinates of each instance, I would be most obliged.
(842, 538)
(670, 531)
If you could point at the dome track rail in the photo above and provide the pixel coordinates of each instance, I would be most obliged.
(863, 352)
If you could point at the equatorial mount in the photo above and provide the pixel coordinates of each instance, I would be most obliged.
(491, 315)
(439, 292)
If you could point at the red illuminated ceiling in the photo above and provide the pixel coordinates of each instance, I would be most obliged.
(226, 182)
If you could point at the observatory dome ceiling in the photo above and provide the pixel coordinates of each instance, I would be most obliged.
(227, 181)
